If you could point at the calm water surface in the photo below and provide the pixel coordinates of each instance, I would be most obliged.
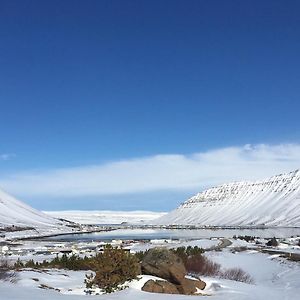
(185, 234)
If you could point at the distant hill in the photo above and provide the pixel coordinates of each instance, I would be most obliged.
(271, 202)
(16, 213)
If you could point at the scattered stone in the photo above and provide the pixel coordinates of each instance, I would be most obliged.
(35, 279)
(47, 287)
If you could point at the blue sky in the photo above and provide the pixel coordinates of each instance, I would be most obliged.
(88, 85)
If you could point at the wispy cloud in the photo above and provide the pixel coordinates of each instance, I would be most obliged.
(159, 172)
(7, 156)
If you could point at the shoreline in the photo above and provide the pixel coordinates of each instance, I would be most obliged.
(138, 227)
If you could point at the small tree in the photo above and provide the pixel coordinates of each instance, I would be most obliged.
(113, 267)
(272, 242)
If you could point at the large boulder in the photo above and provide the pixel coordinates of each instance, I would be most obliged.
(161, 262)
(187, 287)
(160, 286)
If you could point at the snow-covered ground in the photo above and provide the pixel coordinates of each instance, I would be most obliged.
(106, 217)
(274, 278)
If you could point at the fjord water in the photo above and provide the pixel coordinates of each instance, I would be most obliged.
(185, 234)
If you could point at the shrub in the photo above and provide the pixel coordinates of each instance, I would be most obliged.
(198, 265)
(73, 262)
(237, 274)
(186, 252)
(140, 255)
(272, 242)
(6, 274)
(246, 238)
(18, 264)
(113, 267)
(182, 252)
(201, 265)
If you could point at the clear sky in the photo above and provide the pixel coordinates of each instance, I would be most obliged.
(118, 104)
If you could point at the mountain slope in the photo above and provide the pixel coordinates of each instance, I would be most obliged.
(17, 213)
(271, 202)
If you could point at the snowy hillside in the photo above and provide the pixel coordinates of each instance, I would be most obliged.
(271, 202)
(106, 216)
(14, 212)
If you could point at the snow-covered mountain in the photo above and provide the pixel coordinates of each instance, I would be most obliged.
(271, 202)
(17, 213)
(106, 216)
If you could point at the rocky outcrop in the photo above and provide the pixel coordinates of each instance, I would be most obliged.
(190, 286)
(163, 263)
(160, 286)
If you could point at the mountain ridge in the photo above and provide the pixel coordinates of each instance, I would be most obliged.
(274, 201)
(16, 213)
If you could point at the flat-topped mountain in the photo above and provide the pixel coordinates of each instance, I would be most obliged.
(271, 202)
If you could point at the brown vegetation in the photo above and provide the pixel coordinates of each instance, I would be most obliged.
(6, 274)
(112, 268)
(237, 274)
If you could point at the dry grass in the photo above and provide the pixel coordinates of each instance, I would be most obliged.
(6, 274)
(237, 274)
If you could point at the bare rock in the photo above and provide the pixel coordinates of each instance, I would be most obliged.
(160, 286)
(190, 286)
(163, 263)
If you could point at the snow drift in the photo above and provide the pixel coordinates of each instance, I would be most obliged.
(271, 202)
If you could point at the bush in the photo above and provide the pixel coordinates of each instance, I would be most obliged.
(237, 274)
(182, 252)
(201, 265)
(246, 238)
(113, 267)
(6, 274)
(186, 252)
(73, 262)
(272, 242)
(140, 255)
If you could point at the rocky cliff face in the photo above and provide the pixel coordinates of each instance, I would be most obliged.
(271, 202)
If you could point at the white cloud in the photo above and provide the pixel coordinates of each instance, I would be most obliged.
(159, 172)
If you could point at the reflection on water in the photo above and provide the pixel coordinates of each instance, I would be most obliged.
(187, 234)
